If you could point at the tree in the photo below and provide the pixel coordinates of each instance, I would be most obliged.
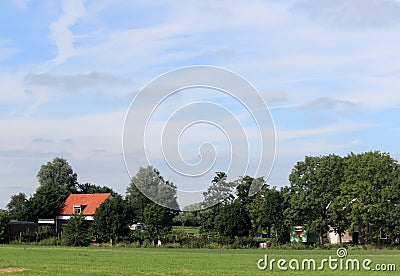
(17, 206)
(219, 193)
(187, 217)
(243, 186)
(89, 188)
(149, 186)
(369, 189)
(47, 201)
(58, 172)
(158, 219)
(4, 221)
(56, 181)
(314, 183)
(111, 220)
(233, 220)
(76, 231)
(266, 213)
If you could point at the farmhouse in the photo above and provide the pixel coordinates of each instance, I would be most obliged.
(85, 204)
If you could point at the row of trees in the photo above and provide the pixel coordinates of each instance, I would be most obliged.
(358, 191)
(57, 181)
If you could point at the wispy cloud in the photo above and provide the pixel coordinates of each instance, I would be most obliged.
(60, 30)
(74, 82)
(333, 129)
(355, 13)
(327, 103)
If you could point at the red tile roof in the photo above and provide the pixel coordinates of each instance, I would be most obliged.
(91, 201)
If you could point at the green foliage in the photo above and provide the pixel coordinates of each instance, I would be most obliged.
(111, 220)
(233, 220)
(243, 186)
(47, 201)
(17, 205)
(266, 213)
(146, 184)
(314, 183)
(58, 172)
(369, 195)
(76, 231)
(4, 221)
(358, 192)
(89, 188)
(56, 181)
(158, 220)
(137, 201)
(208, 218)
(51, 241)
(219, 192)
(187, 218)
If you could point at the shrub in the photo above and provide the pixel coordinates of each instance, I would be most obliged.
(76, 231)
(4, 220)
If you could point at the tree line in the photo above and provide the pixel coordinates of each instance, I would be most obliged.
(357, 191)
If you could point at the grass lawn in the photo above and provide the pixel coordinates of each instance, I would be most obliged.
(40, 260)
(194, 230)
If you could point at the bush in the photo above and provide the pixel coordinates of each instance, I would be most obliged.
(76, 231)
(53, 241)
(4, 221)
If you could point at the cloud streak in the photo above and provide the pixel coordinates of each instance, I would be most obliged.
(74, 82)
(60, 31)
(362, 14)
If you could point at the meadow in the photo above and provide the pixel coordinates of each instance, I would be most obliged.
(41, 260)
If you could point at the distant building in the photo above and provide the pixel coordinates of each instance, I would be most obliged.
(85, 204)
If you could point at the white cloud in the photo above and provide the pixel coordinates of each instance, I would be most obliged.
(60, 32)
(74, 82)
(337, 128)
(355, 13)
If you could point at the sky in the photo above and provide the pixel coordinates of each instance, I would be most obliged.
(328, 71)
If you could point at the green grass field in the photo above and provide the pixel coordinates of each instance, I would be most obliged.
(38, 260)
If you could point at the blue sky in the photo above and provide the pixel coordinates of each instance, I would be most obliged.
(328, 70)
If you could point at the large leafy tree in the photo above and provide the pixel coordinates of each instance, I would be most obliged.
(314, 184)
(220, 191)
(58, 172)
(243, 186)
(233, 220)
(57, 180)
(218, 194)
(17, 206)
(147, 186)
(368, 194)
(158, 219)
(111, 220)
(266, 213)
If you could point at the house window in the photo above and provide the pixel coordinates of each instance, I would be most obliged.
(77, 209)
